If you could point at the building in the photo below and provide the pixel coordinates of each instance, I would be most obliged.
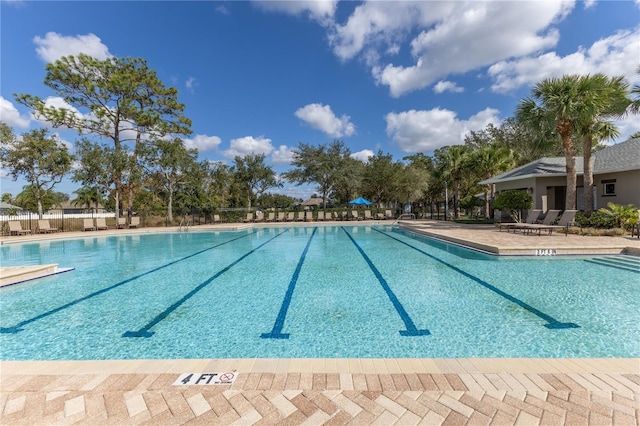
(616, 178)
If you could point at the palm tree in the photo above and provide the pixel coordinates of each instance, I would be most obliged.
(556, 103)
(87, 195)
(452, 161)
(604, 97)
(489, 161)
(634, 107)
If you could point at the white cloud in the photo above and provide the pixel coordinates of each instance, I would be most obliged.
(363, 155)
(322, 118)
(54, 46)
(454, 37)
(203, 143)
(627, 126)
(190, 83)
(11, 116)
(248, 145)
(425, 131)
(282, 155)
(321, 11)
(447, 86)
(614, 55)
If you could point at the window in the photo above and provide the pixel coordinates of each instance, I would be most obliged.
(608, 187)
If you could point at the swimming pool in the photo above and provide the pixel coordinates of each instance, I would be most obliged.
(307, 291)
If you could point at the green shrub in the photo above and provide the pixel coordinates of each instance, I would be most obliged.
(513, 202)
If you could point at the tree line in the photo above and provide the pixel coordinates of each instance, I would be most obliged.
(130, 154)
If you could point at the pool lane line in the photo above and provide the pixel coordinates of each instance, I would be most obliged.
(144, 331)
(552, 323)
(16, 328)
(411, 329)
(276, 331)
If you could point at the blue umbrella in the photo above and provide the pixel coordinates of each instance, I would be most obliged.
(360, 202)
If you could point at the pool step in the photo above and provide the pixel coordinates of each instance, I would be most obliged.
(624, 262)
(17, 274)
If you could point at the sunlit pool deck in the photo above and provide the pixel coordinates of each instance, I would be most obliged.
(501, 391)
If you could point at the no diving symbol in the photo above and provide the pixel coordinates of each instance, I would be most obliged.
(227, 377)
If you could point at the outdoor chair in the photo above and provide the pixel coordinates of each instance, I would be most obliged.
(308, 216)
(271, 217)
(388, 214)
(281, 217)
(636, 227)
(216, 218)
(300, 217)
(367, 215)
(567, 220)
(87, 225)
(259, 217)
(354, 215)
(44, 227)
(101, 224)
(121, 223)
(15, 227)
(249, 218)
(320, 215)
(135, 222)
(290, 216)
(549, 219)
(531, 218)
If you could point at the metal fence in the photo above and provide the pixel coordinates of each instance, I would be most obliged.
(60, 221)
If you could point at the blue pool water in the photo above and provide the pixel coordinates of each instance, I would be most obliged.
(327, 291)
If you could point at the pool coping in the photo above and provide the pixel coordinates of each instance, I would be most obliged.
(326, 365)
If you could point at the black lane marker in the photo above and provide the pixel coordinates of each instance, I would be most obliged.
(552, 323)
(16, 328)
(144, 331)
(276, 331)
(411, 329)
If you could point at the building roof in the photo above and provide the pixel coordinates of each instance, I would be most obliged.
(621, 157)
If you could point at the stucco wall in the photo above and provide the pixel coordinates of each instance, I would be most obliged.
(627, 186)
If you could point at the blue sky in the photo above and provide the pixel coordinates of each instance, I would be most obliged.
(263, 76)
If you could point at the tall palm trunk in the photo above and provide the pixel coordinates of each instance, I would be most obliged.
(587, 143)
(565, 129)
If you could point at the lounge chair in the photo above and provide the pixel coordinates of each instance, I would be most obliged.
(300, 217)
(367, 215)
(388, 214)
(320, 215)
(249, 218)
(290, 216)
(135, 222)
(531, 218)
(15, 227)
(101, 224)
(549, 219)
(344, 216)
(354, 215)
(216, 218)
(282, 216)
(44, 227)
(271, 217)
(259, 216)
(308, 216)
(121, 223)
(87, 225)
(567, 220)
(636, 228)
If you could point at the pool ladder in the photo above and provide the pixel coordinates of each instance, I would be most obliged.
(184, 225)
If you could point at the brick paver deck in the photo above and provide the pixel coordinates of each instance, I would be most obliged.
(339, 391)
